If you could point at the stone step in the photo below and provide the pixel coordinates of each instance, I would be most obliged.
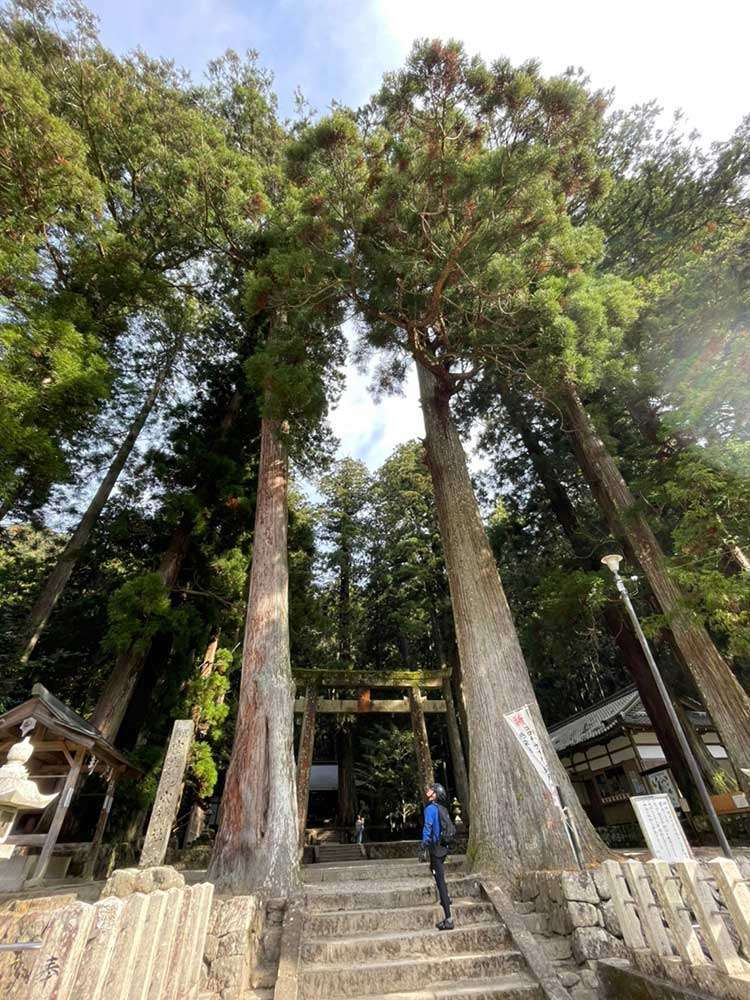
(263, 977)
(389, 945)
(373, 870)
(516, 986)
(331, 852)
(387, 895)
(407, 918)
(331, 982)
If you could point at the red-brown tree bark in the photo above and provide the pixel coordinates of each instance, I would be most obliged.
(305, 759)
(256, 842)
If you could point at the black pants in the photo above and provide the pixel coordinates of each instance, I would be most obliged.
(438, 871)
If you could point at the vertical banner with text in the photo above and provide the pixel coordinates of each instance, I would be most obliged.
(526, 733)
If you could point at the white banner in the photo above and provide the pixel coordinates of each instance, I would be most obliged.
(526, 733)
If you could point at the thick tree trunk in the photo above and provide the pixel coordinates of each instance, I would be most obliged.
(58, 578)
(421, 740)
(347, 787)
(256, 843)
(305, 759)
(724, 698)
(615, 619)
(515, 823)
(114, 699)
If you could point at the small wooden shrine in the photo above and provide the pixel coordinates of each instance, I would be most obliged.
(66, 749)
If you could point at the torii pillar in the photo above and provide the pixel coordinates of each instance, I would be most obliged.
(304, 759)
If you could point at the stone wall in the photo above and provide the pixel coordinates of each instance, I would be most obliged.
(572, 917)
(579, 923)
(148, 928)
(232, 946)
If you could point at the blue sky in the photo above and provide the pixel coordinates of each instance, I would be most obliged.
(693, 57)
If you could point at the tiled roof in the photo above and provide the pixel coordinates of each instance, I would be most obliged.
(595, 721)
(623, 707)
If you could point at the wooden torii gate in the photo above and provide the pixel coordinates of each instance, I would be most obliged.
(363, 682)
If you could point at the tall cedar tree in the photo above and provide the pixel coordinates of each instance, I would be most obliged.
(454, 191)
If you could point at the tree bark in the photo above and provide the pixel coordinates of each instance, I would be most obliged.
(615, 619)
(256, 842)
(457, 753)
(305, 759)
(421, 740)
(58, 578)
(738, 556)
(206, 669)
(515, 823)
(724, 698)
(114, 699)
(345, 638)
(718, 779)
(121, 684)
(347, 788)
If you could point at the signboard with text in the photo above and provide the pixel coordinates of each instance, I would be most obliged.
(661, 827)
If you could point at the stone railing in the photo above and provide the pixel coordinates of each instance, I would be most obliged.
(688, 922)
(143, 940)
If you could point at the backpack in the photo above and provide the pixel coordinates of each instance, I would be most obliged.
(447, 828)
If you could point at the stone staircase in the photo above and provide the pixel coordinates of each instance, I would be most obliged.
(369, 933)
(329, 853)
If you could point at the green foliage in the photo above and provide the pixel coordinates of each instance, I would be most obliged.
(202, 769)
(138, 610)
(387, 770)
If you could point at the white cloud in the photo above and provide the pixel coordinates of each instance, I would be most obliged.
(689, 56)
(370, 430)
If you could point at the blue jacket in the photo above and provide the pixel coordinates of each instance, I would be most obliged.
(431, 828)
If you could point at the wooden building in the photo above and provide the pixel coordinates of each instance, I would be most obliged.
(611, 753)
(67, 749)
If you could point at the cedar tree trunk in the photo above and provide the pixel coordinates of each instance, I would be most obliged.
(724, 698)
(515, 823)
(615, 619)
(58, 578)
(256, 842)
(421, 740)
(345, 601)
(347, 787)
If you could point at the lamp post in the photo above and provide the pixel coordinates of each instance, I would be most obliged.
(612, 562)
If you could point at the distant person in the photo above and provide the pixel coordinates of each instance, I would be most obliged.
(359, 829)
(437, 836)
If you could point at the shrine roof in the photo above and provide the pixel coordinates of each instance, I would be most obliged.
(624, 709)
(66, 724)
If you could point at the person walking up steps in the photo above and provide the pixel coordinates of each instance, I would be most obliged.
(359, 829)
(438, 834)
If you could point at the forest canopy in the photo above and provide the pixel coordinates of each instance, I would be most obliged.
(185, 275)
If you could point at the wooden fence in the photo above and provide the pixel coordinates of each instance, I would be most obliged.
(145, 946)
(688, 922)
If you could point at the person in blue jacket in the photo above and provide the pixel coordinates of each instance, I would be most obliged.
(432, 848)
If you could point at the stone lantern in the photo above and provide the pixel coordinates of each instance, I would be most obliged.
(18, 793)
